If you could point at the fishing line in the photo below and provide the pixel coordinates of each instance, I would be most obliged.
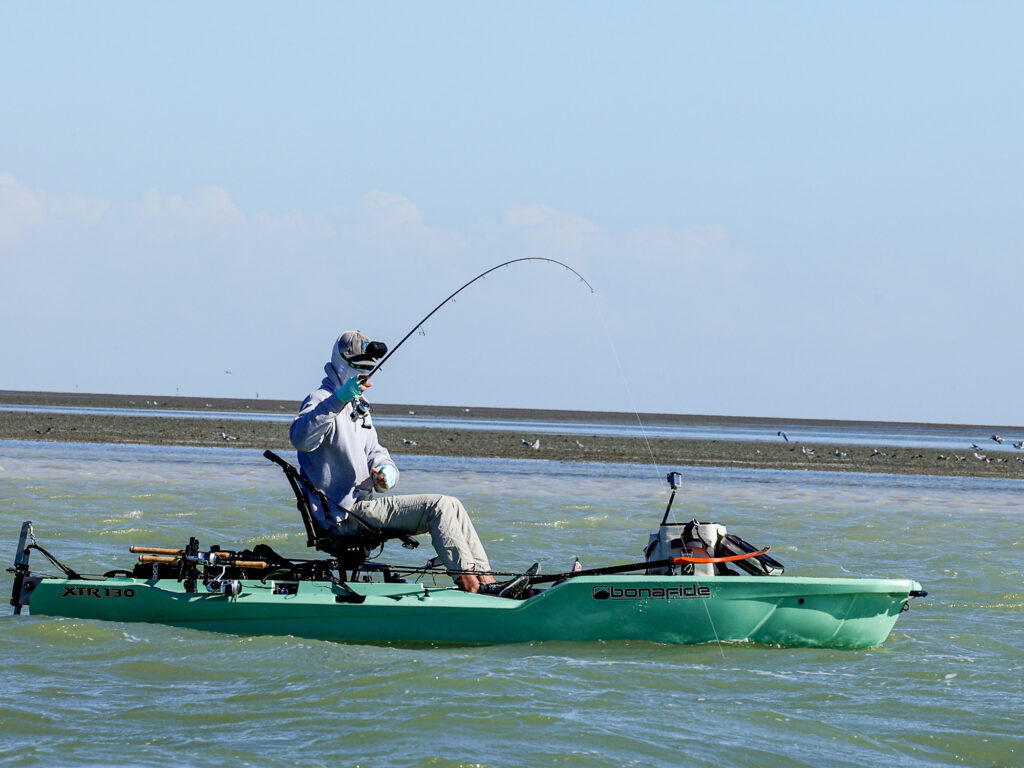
(629, 389)
(643, 432)
(604, 323)
(647, 442)
(654, 460)
(714, 629)
(611, 345)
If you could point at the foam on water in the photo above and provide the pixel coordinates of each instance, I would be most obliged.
(945, 689)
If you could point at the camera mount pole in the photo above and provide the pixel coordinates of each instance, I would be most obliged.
(675, 479)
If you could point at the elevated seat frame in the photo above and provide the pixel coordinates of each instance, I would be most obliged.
(351, 550)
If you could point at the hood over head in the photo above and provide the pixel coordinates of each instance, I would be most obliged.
(348, 345)
(353, 348)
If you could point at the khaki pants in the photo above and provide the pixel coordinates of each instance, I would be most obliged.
(451, 531)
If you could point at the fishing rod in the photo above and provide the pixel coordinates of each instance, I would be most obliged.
(203, 558)
(212, 558)
(430, 314)
(647, 565)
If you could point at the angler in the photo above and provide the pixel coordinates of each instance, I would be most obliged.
(339, 452)
(354, 469)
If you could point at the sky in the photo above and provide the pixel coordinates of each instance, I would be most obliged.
(786, 210)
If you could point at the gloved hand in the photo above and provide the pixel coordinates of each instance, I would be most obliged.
(350, 390)
(385, 476)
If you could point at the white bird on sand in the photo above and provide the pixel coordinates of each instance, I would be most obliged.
(408, 442)
(806, 451)
(877, 452)
(980, 457)
(578, 444)
(226, 436)
(840, 454)
(535, 444)
(783, 435)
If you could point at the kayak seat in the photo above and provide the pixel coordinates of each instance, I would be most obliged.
(351, 551)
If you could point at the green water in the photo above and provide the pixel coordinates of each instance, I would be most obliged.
(945, 689)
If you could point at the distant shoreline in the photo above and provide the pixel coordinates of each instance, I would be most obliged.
(257, 405)
(667, 453)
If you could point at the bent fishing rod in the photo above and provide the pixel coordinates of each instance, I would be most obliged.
(482, 275)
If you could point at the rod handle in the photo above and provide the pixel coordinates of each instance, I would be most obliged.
(224, 555)
(179, 552)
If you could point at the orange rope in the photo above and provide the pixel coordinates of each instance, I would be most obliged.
(729, 559)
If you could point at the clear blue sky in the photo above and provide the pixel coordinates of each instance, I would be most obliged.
(786, 209)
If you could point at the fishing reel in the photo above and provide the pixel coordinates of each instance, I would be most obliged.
(372, 352)
(228, 587)
(360, 410)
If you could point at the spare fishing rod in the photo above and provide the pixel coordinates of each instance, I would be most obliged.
(387, 354)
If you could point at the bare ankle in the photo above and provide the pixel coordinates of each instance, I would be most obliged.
(467, 582)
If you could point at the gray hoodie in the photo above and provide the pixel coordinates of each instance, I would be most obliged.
(336, 454)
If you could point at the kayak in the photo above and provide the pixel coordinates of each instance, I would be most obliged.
(686, 592)
(783, 611)
(223, 592)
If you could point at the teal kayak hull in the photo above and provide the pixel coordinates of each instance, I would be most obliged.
(778, 610)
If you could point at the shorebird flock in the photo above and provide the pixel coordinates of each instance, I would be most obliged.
(976, 451)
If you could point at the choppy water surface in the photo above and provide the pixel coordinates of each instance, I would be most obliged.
(945, 689)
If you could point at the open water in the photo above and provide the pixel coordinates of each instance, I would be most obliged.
(947, 688)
